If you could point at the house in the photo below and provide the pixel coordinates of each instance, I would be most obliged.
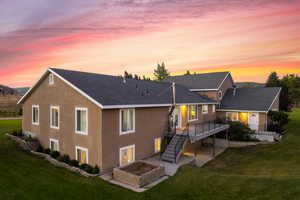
(111, 121)
(248, 105)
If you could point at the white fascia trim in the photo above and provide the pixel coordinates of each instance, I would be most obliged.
(199, 90)
(87, 121)
(225, 110)
(77, 89)
(223, 80)
(152, 105)
(274, 99)
(34, 85)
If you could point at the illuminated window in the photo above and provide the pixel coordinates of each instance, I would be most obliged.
(204, 109)
(193, 112)
(127, 121)
(127, 155)
(51, 79)
(213, 108)
(232, 116)
(35, 115)
(54, 117)
(81, 154)
(54, 145)
(157, 143)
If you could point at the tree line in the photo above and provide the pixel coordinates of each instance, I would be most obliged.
(290, 89)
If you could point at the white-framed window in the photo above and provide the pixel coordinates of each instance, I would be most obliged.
(192, 112)
(213, 108)
(157, 144)
(127, 155)
(35, 114)
(81, 120)
(127, 121)
(54, 117)
(232, 116)
(54, 145)
(51, 79)
(82, 154)
(204, 109)
(220, 94)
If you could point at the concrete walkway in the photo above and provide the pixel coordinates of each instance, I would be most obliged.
(10, 118)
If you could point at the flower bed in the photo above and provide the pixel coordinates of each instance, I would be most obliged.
(138, 174)
(54, 157)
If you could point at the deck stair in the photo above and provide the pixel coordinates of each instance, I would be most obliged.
(174, 148)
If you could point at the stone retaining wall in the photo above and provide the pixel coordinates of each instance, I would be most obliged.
(53, 161)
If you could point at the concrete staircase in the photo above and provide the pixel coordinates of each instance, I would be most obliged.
(174, 148)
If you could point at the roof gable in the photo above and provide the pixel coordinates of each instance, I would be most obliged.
(112, 92)
(251, 99)
(206, 81)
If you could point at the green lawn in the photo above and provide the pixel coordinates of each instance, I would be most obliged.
(262, 172)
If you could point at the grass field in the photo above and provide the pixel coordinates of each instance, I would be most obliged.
(261, 172)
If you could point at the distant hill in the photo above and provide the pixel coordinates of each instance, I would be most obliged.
(8, 99)
(22, 90)
(249, 84)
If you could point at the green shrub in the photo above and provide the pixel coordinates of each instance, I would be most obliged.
(96, 170)
(40, 149)
(74, 163)
(47, 151)
(239, 131)
(65, 158)
(54, 154)
(277, 121)
(86, 167)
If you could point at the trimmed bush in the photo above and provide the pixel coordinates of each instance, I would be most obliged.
(65, 158)
(74, 163)
(47, 151)
(40, 149)
(86, 167)
(54, 154)
(239, 131)
(96, 170)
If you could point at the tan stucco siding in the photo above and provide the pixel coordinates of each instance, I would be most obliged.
(150, 123)
(62, 95)
(262, 126)
(226, 85)
(210, 94)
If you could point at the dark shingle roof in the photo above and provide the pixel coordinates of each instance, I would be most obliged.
(199, 81)
(256, 99)
(112, 91)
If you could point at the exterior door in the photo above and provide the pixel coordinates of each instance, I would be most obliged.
(253, 121)
(177, 117)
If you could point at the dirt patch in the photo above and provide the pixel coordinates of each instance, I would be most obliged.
(139, 168)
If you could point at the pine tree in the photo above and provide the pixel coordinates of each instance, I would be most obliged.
(161, 72)
(273, 80)
(187, 72)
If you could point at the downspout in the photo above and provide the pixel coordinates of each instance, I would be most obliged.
(173, 106)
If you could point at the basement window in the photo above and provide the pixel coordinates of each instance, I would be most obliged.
(82, 154)
(127, 155)
(157, 145)
(54, 145)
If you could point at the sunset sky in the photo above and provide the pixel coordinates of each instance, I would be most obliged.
(250, 38)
